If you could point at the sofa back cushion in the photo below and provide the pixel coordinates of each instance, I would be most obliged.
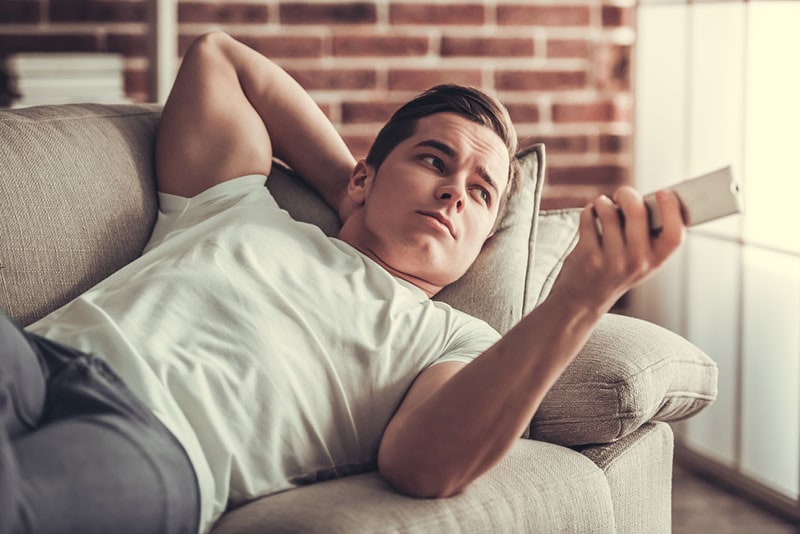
(78, 200)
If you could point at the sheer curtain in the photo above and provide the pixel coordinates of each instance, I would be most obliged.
(718, 83)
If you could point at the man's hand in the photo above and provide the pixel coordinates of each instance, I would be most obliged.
(616, 250)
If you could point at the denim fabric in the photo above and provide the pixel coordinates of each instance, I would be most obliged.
(79, 452)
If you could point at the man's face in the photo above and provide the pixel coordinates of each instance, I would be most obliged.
(430, 206)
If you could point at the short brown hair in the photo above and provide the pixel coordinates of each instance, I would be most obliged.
(469, 102)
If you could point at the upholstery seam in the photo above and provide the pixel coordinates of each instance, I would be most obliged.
(132, 113)
(539, 150)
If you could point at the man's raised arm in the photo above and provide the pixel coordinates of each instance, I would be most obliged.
(230, 111)
(457, 421)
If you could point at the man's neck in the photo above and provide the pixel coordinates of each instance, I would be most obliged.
(426, 287)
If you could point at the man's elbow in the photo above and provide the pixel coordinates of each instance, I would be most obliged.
(418, 480)
(210, 41)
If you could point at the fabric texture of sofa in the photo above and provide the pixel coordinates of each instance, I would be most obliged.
(77, 188)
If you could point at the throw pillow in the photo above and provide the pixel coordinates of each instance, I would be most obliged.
(628, 373)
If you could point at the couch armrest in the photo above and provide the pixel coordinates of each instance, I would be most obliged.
(629, 372)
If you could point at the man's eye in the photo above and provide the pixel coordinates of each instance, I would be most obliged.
(484, 194)
(435, 162)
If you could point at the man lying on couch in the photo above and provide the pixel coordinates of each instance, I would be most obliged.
(245, 353)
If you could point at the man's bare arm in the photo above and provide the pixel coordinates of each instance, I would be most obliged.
(230, 111)
(458, 421)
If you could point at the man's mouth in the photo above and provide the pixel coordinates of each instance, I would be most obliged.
(441, 219)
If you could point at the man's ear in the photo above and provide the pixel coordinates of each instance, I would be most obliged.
(360, 182)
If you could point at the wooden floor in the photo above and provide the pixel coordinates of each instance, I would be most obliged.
(700, 507)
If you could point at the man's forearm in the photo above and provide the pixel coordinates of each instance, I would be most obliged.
(467, 425)
(300, 133)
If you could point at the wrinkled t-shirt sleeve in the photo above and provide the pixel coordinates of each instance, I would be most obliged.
(176, 212)
(470, 338)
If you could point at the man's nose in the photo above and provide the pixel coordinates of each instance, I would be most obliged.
(452, 195)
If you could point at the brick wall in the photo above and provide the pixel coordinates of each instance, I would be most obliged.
(562, 68)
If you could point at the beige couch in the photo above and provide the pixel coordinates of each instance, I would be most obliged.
(78, 202)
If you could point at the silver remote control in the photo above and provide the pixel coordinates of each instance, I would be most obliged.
(703, 199)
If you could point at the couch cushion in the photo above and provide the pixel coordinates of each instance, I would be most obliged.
(537, 487)
(78, 200)
(629, 372)
(638, 468)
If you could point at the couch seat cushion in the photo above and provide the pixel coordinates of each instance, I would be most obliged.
(537, 487)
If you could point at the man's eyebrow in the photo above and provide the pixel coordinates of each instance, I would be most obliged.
(452, 153)
(446, 149)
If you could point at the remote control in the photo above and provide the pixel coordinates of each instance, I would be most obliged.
(703, 199)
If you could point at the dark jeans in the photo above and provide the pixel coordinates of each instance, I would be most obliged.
(79, 452)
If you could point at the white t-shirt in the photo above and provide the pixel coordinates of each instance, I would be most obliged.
(275, 354)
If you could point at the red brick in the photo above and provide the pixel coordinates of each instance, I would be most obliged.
(525, 15)
(433, 14)
(284, 46)
(53, 42)
(326, 108)
(567, 48)
(379, 45)
(516, 80)
(590, 112)
(367, 112)
(335, 79)
(612, 66)
(272, 46)
(586, 174)
(220, 12)
(418, 79)
(617, 16)
(127, 44)
(487, 46)
(328, 13)
(614, 144)
(565, 144)
(521, 113)
(137, 81)
(97, 11)
(19, 12)
(623, 111)
(184, 40)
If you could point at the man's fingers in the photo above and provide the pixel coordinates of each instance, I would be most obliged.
(587, 229)
(674, 230)
(637, 233)
(611, 224)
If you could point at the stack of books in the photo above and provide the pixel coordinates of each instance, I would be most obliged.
(66, 78)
